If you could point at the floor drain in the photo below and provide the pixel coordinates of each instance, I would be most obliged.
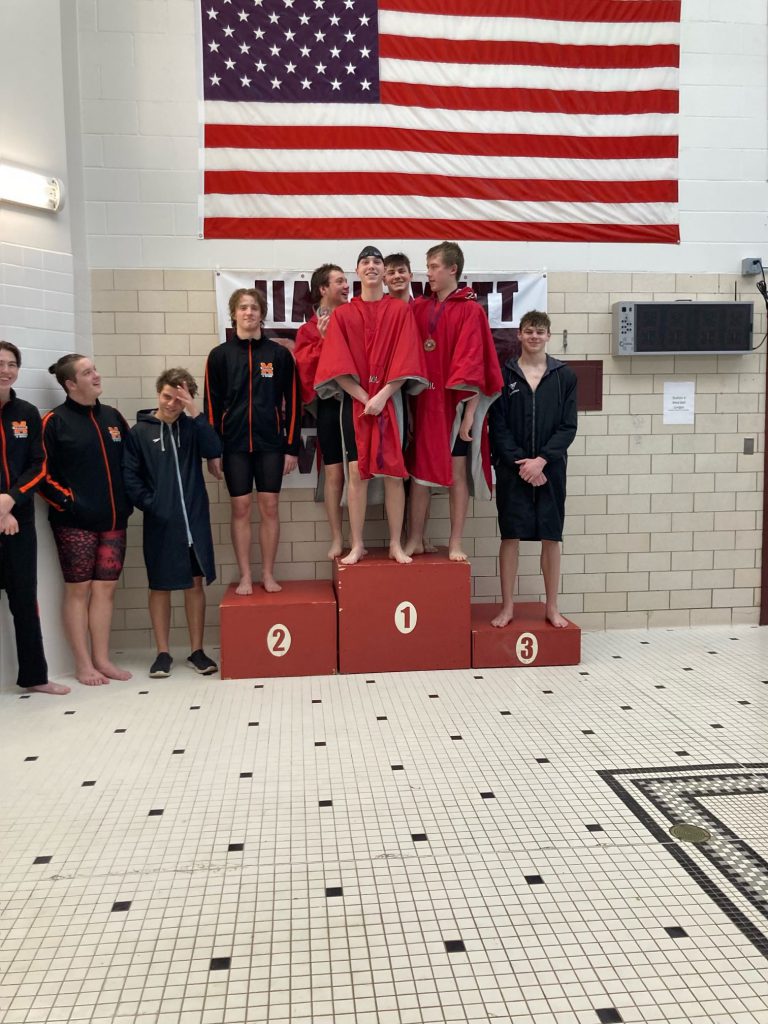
(690, 833)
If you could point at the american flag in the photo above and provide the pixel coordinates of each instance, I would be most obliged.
(494, 120)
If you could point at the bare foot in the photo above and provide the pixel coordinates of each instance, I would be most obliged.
(354, 556)
(335, 549)
(397, 554)
(457, 555)
(428, 546)
(271, 585)
(245, 586)
(90, 677)
(48, 687)
(111, 671)
(504, 617)
(556, 619)
(413, 547)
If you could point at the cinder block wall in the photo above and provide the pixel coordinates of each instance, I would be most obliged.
(662, 522)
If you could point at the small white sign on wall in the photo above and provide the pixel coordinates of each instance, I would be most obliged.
(679, 401)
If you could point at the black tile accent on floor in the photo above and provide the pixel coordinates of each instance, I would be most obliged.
(488, 795)
(434, 696)
(457, 736)
(121, 906)
(334, 890)
(156, 812)
(716, 725)
(25, 696)
(370, 680)
(682, 753)
(143, 693)
(252, 723)
(42, 860)
(542, 760)
(221, 963)
(744, 702)
(659, 686)
(595, 828)
(505, 712)
(419, 837)
(246, 775)
(236, 847)
(397, 768)
(609, 1015)
(455, 946)
(381, 718)
(325, 803)
(547, 691)
(121, 730)
(194, 707)
(588, 732)
(258, 686)
(88, 782)
(676, 932)
(320, 743)
(534, 880)
(179, 750)
(478, 677)
(70, 712)
(33, 758)
(317, 702)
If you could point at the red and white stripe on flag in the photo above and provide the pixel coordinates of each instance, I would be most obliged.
(494, 120)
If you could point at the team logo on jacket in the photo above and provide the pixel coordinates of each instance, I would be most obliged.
(266, 370)
(114, 433)
(20, 428)
(513, 388)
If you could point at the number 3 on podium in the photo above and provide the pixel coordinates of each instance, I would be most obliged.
(527, 648)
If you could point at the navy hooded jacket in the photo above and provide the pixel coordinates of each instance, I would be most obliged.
(163, 475)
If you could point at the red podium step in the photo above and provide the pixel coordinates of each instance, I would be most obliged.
(397, 618)
(292, 633)
(528, 640)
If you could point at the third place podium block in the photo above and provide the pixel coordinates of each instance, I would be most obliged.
(528, 640)
(398, 618)
(292, 633)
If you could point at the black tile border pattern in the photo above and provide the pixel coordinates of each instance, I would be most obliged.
(733, 858)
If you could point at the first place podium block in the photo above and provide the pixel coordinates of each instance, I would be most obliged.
(529, 640)
(399, 618)
(292, 633)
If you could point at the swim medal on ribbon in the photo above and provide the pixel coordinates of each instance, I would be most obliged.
(430, 345)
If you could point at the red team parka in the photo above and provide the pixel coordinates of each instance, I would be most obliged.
(461, 363)
(376, 343)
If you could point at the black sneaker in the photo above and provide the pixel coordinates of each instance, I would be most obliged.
(161, 666)
(201, 663)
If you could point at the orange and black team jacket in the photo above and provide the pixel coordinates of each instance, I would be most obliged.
(251, 396)
(83, 482)
(22, 457)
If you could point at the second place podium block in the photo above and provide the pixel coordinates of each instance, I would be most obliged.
(399, 618)
(292, 633)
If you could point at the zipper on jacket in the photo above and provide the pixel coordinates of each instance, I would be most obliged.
(5, 452)
(106, 466)
(250, 396)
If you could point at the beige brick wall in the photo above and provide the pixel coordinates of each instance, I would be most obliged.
(662, 522)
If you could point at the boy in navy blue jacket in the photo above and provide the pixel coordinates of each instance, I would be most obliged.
(163, 477)
(531, 426)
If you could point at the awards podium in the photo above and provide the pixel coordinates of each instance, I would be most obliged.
(380, 616)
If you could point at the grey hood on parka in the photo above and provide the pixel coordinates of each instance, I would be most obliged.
(163, 474)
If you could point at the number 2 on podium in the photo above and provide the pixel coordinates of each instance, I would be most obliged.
(406, 617)
(278, 640)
